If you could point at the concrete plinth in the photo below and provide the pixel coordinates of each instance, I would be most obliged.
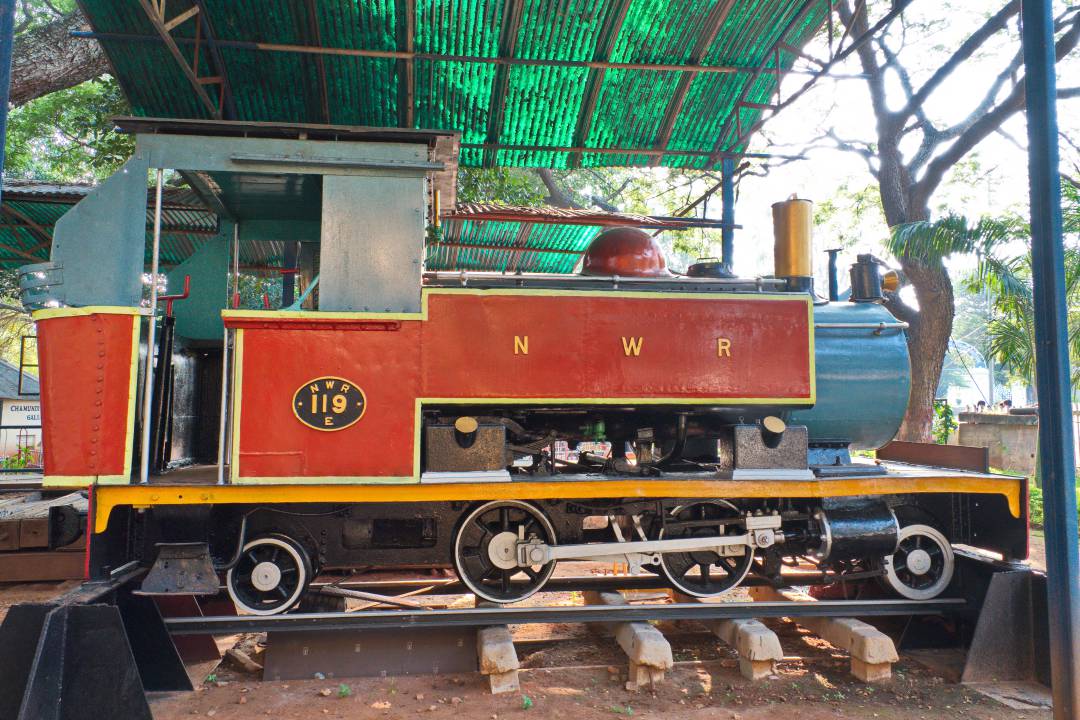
(498, 658)
(646, 647)
(872, 651)
(758, 647)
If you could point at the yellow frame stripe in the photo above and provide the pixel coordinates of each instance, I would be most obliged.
(59, 312)
(234, 415)
(143, 496)
(426, 293)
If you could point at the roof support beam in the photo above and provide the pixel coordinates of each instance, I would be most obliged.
(436, 57)
(508, 32)
(406, 75)
(771, 52)
(504, 248)
(320, 63)
(519, 247)
(705, 40)
(225, 101)
(156, 14)
(625, 151)
(29, 223)
(841, 55)
(595, 81)
(201, 185)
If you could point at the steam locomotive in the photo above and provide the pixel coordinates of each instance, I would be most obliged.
(417, 417)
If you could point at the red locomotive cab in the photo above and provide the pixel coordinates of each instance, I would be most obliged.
(625, 251)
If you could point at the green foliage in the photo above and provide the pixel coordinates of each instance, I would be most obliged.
(21, 459)
(344, 691)
(68, 136)
(32, 14)
(253, 289)
(850, 216)
(506, 186)
(1036, 515)
(526, 702)
(944, 422)
(1002, 246)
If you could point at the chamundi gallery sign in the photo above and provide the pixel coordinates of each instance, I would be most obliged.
(21, 413)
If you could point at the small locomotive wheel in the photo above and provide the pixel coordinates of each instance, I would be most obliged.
(704, 574)
(486, 545)
(270, 577)
(923, 564)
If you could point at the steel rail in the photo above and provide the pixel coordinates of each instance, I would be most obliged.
(451, 586)
(479, 617)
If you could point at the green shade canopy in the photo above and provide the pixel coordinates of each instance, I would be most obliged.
(542, 83)
(30, 210)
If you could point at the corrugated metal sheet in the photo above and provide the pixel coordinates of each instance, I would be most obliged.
(508, 246)
(521, 109)
(184, 225)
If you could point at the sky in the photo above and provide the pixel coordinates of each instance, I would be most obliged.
(843, 103)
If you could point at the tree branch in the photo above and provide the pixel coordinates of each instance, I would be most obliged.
(979, 129)
(46, 59)
(857, 24)
(967, 48)
(557, 196)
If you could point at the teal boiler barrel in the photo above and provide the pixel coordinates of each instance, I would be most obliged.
(863, 376)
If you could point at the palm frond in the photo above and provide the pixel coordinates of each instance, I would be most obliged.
(934, 240)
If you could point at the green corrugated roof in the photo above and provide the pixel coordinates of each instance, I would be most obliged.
(29, 212)
(264, 52)
(509, 246)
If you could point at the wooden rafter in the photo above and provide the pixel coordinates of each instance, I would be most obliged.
(45, 236)
(406, 75)
(762, 66)
(504, 248)
(434, 57)
(155, 13)
(595, 81)
(519, 247)
(620, 150)
(511, 25)
(315, 37)
(225, 102)
(705, 40)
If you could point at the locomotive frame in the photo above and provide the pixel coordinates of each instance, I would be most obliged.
(745, 447)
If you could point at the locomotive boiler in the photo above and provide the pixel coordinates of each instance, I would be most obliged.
(416, 417)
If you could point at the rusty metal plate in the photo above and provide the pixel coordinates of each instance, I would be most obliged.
(957, 457)
(370, 653)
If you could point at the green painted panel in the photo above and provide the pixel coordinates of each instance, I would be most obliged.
(199, 316)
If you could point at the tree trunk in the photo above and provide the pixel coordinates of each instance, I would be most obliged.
(47, 59)
(928, 341)
(931, 325)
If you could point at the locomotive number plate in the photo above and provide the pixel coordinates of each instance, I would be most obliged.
(329, 403)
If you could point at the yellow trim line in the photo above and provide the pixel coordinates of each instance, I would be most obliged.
(47, 313)
(425, 293)
(108, 497)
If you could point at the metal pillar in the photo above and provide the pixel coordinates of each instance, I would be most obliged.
(7, 42)
(148, 374)
(727, 200)
(1052, 360)
(288, 279)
